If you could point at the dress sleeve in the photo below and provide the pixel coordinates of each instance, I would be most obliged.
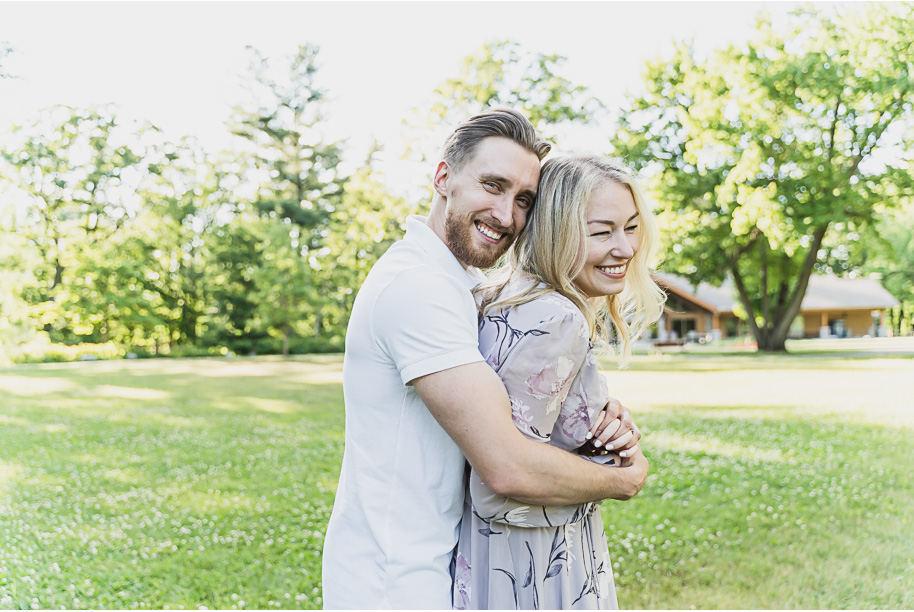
(543, 370)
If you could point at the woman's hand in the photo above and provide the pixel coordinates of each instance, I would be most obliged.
(614, 430)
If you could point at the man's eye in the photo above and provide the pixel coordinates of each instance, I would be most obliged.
(491, 185)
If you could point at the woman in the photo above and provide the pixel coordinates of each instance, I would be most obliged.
(584, 254)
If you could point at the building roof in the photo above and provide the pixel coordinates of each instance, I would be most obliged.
(833, 293)
(825, 292)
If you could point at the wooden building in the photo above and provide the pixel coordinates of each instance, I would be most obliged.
(833, 307)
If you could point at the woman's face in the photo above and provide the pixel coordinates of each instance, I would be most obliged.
(612, 240)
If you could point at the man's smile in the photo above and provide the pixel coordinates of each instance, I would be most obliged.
(490, 233)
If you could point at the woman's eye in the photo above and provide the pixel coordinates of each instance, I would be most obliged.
(631, 228)
(606, 233)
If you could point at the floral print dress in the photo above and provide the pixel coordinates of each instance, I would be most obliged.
(513, 555)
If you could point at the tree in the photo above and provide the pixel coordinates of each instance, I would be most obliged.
(235, 259)
(298, 177)
(148, 285)
(18, 326)
(296, 170)
(367, 222)
(284, 288)
(887, 250)
(757, 151)
(500, 73)
(78, 172)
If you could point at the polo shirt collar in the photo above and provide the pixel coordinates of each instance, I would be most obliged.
(421, 234)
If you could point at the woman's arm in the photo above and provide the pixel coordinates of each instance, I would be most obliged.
(537, 354)
(556, 391)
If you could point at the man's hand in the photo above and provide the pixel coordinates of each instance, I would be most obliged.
(614, 430)
(637, 462)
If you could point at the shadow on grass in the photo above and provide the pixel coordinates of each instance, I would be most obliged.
(292, 388)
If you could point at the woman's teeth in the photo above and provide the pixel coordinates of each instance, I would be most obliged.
(612, 269)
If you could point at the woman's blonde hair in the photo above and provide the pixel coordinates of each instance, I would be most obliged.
(553, 247)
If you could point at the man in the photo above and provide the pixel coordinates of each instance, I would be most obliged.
(419, 397)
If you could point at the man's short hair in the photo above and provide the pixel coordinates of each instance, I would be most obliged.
(503, 122)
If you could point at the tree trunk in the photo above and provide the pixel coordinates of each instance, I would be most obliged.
(771, 336)
(317, 324)
(757, 332)
(778, 337)
(774, 344)
(287, 332)
(58, 274)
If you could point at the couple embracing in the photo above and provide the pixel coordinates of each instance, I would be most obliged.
(480, 437)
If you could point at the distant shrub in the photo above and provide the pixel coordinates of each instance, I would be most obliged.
(47, 352)
(304, 346)
(42, 350)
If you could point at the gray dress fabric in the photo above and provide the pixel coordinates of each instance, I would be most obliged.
(512, 555)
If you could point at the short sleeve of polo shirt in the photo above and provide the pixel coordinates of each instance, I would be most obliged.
(425, 321)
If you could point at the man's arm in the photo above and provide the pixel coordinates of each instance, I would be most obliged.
(471, 404)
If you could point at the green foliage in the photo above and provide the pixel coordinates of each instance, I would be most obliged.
(501, 73)
(886, 248)
(281, 125)
(299, 189)
(367, 222)
(756, 151)
(79, 171)
(115, 235)
(18, 326)
(46, 352)
(234, 260)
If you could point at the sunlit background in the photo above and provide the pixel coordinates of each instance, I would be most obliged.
(182, 66)
(217, 178)
(214, 180)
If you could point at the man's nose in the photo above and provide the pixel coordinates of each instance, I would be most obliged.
(503, 211)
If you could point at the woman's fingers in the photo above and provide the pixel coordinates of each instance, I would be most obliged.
(603, 437)
(597, 424)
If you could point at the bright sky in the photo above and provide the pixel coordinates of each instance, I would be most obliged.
(178, 64)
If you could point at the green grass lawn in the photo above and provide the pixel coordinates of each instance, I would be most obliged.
(776, 482)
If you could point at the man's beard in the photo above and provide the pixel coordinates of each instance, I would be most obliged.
(460, 240)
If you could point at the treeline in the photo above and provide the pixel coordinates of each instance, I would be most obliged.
(771, 160)
(120, 241)
(113, 234)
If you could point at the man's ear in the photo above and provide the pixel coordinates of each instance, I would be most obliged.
(442, 174)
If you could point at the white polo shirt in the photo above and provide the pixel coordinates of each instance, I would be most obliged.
(397, 511)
